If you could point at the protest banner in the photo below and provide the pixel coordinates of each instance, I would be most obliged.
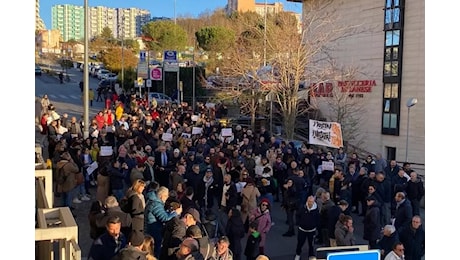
(325, 133)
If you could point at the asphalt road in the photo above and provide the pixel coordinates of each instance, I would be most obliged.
(67, 98)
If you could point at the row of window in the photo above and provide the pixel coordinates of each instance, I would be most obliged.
(393, 28)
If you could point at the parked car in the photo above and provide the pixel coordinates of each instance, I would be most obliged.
(111, 76)
(38, 70)
(101, 73)
(161, 98)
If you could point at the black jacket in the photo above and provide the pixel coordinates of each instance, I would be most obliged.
(372, 222)
(308, 218)
(413, 240)
(403, 214)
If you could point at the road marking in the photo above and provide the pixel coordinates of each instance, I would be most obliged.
(63, 96)
(75, 97)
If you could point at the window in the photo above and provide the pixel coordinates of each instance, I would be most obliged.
(391, 153)
(393, 29)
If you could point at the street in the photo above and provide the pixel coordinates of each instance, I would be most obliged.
(67, 99)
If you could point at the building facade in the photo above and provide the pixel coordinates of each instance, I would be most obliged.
(39, 24)
(392, 51)
(69, 20)
(123, 22)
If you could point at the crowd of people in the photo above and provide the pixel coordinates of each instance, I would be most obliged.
(173, 183)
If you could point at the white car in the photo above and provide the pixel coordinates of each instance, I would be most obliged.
(110, 76)
(102, 72)
(160, 98)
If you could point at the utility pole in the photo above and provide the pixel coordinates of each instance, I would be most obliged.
(85, 75)
(122, 54)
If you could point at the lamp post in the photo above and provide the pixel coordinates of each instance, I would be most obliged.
(122, 54)
(410, 103)
(85, 75)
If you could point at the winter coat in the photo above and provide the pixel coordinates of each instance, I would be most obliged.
(137, 209)
(105, 247)
(403, 214)
(174, 232)
(131, 253)
(116, 177)
(413, 240)
(342, 236)
(235, 232)
(155, 210)
(372, 222)
(69, 169)
(332, 218)
(264, 223)
(252, 245)
(415, 190)
(250, 193)
(387, 242)
(308, 218)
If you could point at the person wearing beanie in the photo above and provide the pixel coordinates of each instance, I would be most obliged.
(134, 249)
(261, 215)
(189, 249)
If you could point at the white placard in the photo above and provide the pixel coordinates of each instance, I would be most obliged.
(327, 166)
(167, 137)
(91, 168)
(195, 118)
(196, 130)
(226, 132)
(185, 135)
(106, 151)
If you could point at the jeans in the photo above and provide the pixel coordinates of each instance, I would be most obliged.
(290, 219)
(301, 238)
(155, 230)
(67, 197)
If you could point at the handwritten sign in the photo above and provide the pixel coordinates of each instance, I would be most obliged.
(196, 130)
(325, 133)
(167, 137)
(226, 132)
(195, 118)
(327, 166)
(185, 135)
(91, 168)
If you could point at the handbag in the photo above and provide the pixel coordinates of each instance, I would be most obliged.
(79, 178)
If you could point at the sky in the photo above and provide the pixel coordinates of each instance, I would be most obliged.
(157, 8)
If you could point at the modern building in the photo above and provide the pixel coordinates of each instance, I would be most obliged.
(391, 49)
(39, 24)
(126, 22)
(69, 20)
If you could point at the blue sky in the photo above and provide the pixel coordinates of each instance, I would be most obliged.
(156, 7)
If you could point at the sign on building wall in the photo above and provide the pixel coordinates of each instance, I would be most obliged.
(325, 133)
(354, 88)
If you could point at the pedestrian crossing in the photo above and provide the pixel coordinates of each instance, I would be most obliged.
(60, 96)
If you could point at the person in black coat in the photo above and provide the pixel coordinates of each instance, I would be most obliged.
(174, 232)
(403, 213)
(389, 238)
(308, 224)
(235, 232)
(372, 222)
(415, 192)
(383, 188)
(251, 251)
(412, 236)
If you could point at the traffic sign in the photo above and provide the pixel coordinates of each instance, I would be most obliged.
(142, 56)
(143, 70)
(355, 255)
(156, 74)
(170, 56)
(140, 81)
(148, 83)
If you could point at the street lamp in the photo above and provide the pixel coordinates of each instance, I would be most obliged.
(410, 103)
(85, 74)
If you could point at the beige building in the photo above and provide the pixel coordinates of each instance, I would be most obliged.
(391, 53)
(39, 24)
(240, 6)
(48, 41)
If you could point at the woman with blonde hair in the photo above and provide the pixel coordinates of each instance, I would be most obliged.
(147, 246)
(136, 204)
